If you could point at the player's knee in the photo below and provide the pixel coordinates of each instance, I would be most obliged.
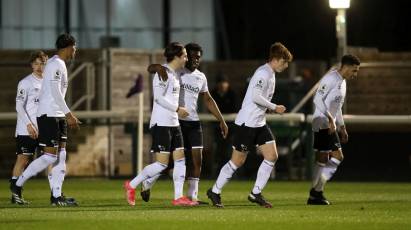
(322, 157)
(238, 161)
(338, 155)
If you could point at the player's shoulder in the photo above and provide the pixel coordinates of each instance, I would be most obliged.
(56, 62)
(264, 71)
(200, 74)
(330, 77)
(26, 81)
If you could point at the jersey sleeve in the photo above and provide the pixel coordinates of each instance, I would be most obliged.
(55, 88)
(339, 117)
(204, 87)
(260, 84)
(21, 100)
(323, 90)
(159, 91)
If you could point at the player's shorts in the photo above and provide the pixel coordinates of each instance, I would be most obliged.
(192, 134)
(245, 138)
(166, 139)
(52, 130)
(26, 145)
(324, 142)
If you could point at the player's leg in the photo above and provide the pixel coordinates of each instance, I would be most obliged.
(324, 168)
(48, 136)
(193, 175)
(25, 148)
(161, 147)
(268, 148)
(193, 145)
(179, 172)
(243, 140)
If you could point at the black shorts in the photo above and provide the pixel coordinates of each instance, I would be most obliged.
(324, 142)
(192, 134)
(52, 130)
(26, 145)
(166, 139)
(245, 138)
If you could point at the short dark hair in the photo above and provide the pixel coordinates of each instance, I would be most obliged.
(65, 40)
(278, 51)
(193, 47)
(38, 54)
(350, 59)
(172, 50)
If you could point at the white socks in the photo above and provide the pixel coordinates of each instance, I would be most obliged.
(225, 175)
(193, 188)
(148, 171)
(330, 168)
(179, 174)
(324, 173)
(263, 175)
(57, 174)
(148, 184)
(35, 167)
(318, 170)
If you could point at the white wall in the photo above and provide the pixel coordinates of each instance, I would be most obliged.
(30, 24)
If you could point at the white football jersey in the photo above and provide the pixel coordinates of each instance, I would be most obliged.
(330, 97)
(191, 85)
(55, 75)
(27, 101)
(252, 114)
(165, 104)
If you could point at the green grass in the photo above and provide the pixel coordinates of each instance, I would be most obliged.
(102, 206)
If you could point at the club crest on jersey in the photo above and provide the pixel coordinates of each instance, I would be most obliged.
(57, 75)
(322, 89)
(259, 84)
(338, 99)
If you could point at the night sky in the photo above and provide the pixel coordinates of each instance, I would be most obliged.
(307, 27)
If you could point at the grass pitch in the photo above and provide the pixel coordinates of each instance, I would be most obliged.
(103, 206)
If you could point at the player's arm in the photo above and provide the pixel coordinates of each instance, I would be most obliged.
(55, 88)
(159, 89)
(21, 101)
(341, 126)
(259, 86)
(213, 108)
(319, 101)
(159, 69)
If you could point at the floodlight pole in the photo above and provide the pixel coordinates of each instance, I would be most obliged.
(341, 32)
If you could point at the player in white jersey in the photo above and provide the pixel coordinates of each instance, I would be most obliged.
(328, 125)
(192, 84)
(165, 129)
(26, 134)
(251, 128)
(53, 115)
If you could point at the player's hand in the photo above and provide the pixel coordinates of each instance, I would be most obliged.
(224, 129)
(72, 121)
(182, 112)
(161, 70)
(32, 131)
(343, 134)
(280, 109)
(332, 126)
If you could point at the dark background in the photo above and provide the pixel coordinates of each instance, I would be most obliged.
(307, 27)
